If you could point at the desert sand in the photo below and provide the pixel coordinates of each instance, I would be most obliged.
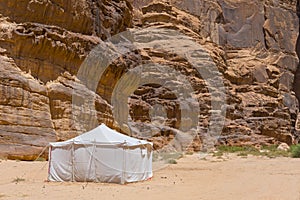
(191, 178)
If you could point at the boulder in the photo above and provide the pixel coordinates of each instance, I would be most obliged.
(283, 147)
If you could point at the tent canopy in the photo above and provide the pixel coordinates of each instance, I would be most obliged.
(103, 135)
(101, 155)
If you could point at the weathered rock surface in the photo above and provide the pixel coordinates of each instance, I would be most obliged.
(256, 56)
(72, 105)
(25, 122)
(43, 44)
(101, 18)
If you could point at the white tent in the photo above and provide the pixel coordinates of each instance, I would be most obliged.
(100, 155)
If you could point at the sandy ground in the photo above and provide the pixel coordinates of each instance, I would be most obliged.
(191, 178)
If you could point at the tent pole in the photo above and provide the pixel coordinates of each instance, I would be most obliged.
(49, 161)
(91, 160)
(124, 164)
(122, 178)
(73, 176)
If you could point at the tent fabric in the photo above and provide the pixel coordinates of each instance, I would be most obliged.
(101, 155)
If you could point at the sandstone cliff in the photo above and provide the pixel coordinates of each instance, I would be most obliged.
(43, 44)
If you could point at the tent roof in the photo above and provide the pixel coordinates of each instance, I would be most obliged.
(103, 135)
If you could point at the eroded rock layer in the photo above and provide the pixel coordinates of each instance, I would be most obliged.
(43, 44)
(254, 47)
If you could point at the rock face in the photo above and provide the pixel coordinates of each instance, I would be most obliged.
(25, 120)
(256, 55)
(43, 44)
